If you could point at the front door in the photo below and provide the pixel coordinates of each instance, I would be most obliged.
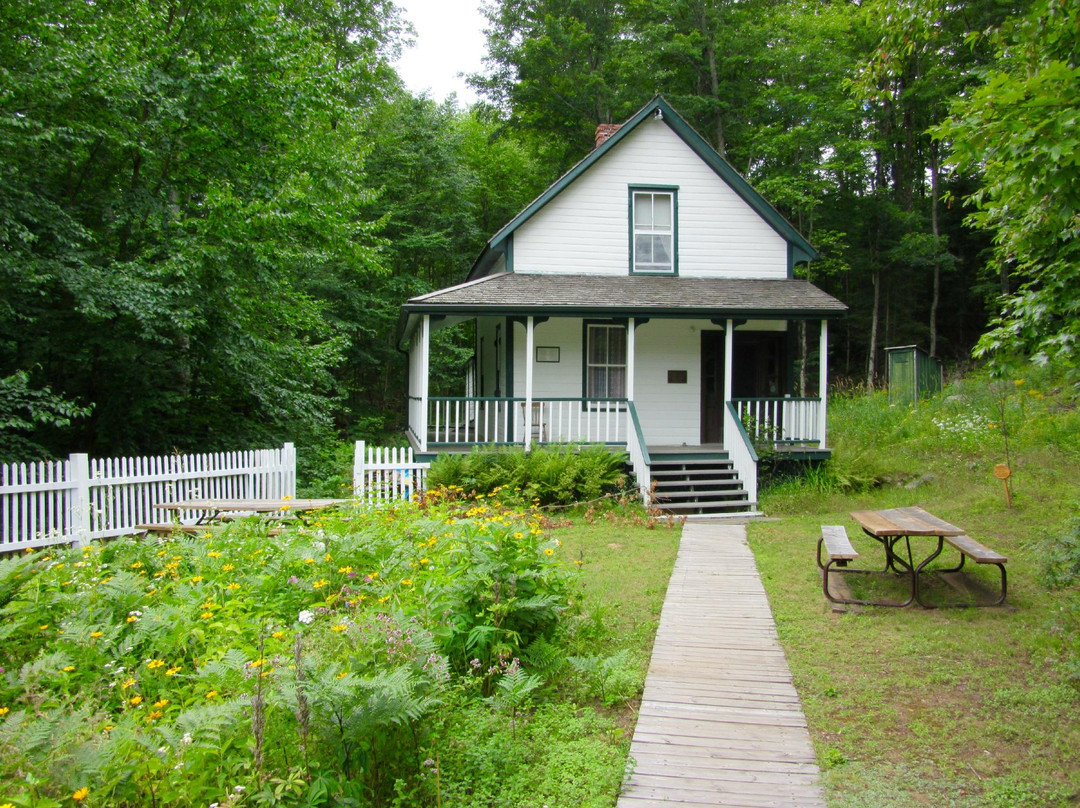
(712, 386)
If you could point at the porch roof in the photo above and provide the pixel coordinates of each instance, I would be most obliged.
(520, 294)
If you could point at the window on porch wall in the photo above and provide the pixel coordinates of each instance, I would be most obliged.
(605, 358)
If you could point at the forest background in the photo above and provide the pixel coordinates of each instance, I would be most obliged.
(212, 210)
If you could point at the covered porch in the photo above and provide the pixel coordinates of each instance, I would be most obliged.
(660, 380)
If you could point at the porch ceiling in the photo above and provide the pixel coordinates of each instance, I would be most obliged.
(510, 294)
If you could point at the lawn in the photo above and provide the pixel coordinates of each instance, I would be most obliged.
(973, 708)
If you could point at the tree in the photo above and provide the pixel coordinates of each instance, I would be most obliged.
(1021, 131)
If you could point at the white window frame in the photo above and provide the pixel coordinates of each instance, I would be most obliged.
(608, 364)
(638, 229)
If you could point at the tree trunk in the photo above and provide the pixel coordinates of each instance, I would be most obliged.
(871, 366)
(936, 299)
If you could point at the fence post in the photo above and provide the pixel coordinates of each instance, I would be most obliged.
(358, 469)
(79, 504)
(288, 470)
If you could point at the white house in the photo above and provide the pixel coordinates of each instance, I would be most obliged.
(647, 300)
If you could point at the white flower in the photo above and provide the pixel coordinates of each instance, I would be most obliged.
(239, 789)
(305, 616)
(187, 738)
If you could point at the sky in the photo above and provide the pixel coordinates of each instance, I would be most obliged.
(449, 41)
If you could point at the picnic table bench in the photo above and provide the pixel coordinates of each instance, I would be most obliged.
(890, 527)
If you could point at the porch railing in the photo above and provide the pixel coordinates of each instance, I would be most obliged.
(781, 421)
(476, 420)
(740, 450)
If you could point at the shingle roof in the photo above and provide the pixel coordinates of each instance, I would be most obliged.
(520, 293)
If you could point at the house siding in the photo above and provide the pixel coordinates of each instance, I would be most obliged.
(584, 230)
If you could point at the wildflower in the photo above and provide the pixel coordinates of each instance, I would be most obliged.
(519, 535)
(127, 684)
(161, 703)
(153, 715)
(81, 794)
(233, 587)
(228, 568)
(309, 560)
(342, 675)
(173, 671)
(306, 616)
(95, 634)
(212, 694)
(214, 554)
(425, 560)
(137, 565)
(196, 579)
(135, 701)
(207, 535)
(44, 627)
(277, 635)
(345, 570)
(206, 615)
(5, 710)
(549, 552)
(153, 664)
(258, 663)
(326, 557)
(406, 581)
(338, 627)
(68, 668)
(132, 618)
(319, 584)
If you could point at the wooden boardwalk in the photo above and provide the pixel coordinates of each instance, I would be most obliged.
(720, 722)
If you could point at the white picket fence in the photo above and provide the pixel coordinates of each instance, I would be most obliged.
(79, 499)
(386, 474)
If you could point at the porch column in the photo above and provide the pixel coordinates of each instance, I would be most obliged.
(423, 354)
(729, 353)
(630, 360)
(823, 380)
(529, 350)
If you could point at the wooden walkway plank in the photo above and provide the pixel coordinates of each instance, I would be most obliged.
(720, 723)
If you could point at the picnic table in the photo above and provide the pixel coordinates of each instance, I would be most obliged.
(214, 509)
(892, 526)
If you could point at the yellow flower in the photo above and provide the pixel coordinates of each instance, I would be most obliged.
(228, 568)
(284, 508)
(425, 560)
(206, 615)
(212, 694)
(153, 715)
(345, 570)
(338, 627)
(233, 587)
(342, 675)
(1018, 382)
(214, 554)
(153, 664)
(136, 565)
(173, 671)
(519, 535)
(68, 668)
(258, 663)
(277, 635)
(44, 627)
(309, 560)
(319, 584)
(326, 557)
(549, 551)
(196, 579)
(81, 794)
(207, 535)
(161, 703)
(406, 581)
(127, 684)
(132, 618)
(135, 701)
(95, 634)
(5, 710)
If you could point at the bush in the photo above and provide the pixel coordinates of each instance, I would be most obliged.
(546, 475)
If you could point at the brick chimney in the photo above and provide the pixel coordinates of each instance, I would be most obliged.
(605, 131)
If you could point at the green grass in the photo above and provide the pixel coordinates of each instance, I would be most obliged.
(973, 708)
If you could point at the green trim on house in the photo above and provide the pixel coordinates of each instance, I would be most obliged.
(801, 249)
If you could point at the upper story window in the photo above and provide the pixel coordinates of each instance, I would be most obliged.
(654, 230)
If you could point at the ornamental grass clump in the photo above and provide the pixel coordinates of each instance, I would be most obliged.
(310, 668)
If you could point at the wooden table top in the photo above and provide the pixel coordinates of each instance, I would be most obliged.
(252, 505)
(904, 522)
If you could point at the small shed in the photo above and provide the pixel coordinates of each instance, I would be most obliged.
(913, 374)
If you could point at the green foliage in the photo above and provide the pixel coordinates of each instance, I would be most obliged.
(1018, 130)
(545, 474)
(23, 409)
(611, 679)
(1060, 554)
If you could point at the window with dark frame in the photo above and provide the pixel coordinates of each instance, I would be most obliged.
(652, 244)
(605, 361)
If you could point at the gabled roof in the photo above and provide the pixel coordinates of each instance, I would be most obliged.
(522, 294)
(799, 248)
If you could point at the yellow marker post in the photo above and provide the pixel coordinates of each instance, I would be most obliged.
(1003, 473)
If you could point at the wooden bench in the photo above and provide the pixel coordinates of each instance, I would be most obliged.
(969, 548)
(167, 529)
(838, 553)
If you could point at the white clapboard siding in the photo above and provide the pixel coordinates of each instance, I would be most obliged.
(585, 229)
(383, 474)
(78, 499)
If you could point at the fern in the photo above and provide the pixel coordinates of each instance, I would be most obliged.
(544, 657)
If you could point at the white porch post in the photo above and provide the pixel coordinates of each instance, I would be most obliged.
(729, 353)
(630, 359)
(823, 380)
(529, 337)
(423, 352)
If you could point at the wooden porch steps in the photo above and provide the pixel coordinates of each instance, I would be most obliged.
(697, 483)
